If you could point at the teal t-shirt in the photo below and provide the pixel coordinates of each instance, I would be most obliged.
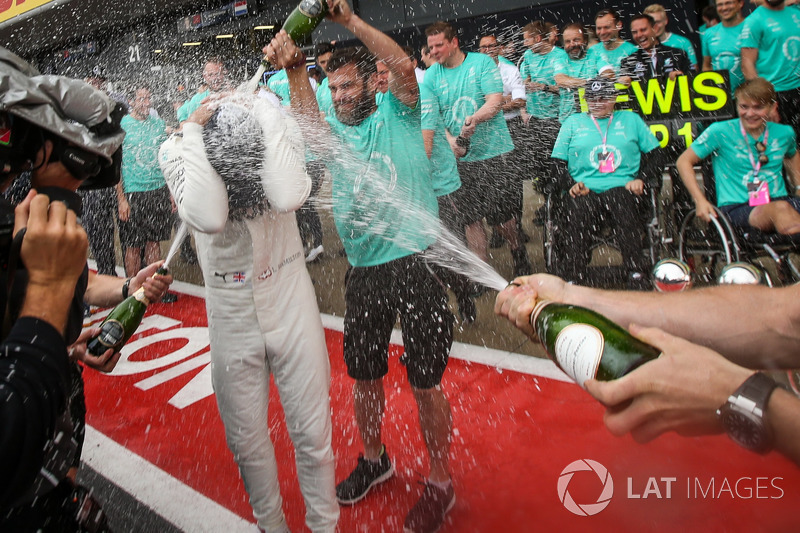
(580, 144)
(731, 163)
(611, 57)
(324, 100)
(446, 179)
(681, 42)
(279, 84)
(539, 68)
(191, 106)
(776, 35)
(143, 138)
(721, 44)
(383, 201)
(462, 91)
(586, 69)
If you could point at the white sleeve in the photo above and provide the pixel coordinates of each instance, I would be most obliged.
(283, 176)
(198, 190)
(516, 85)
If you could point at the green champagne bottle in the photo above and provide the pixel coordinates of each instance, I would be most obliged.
(121, 322)
(587, 345)
(305, 17)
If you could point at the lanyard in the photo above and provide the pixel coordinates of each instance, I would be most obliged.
(755, 163)
(603, 136)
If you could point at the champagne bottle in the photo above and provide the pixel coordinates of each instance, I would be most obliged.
(587, 345)
(304, 18)
(121, 322)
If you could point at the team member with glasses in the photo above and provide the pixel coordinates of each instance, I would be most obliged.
(748, 156)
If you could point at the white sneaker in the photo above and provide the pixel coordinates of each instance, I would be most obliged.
(314, 254)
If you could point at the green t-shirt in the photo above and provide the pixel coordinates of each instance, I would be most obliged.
(443, 162)
(324, 100)
(279, 84)
(721, 44)
(383, 201)
(580, 144)
(462, 91)
(539, 68)
(731, 163)
(585, 69)
(776, 35)
(143, 138)
(611, 57)
(191, 106)
(682, 43)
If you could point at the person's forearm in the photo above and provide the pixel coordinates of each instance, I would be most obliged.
(685, 166)
(49, 303)
(489, 109)
(513, 105)
(749, 57)
(568, 82)
(104, 291)
(783, 416)
(753, 326)
(303, 101)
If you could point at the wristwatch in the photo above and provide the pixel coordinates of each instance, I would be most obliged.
(742, 415)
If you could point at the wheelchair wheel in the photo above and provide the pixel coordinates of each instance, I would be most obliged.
(707, 246)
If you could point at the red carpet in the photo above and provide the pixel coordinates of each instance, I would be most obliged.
(514, 435)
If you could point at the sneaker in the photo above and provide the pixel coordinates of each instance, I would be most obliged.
(314, 253)
(169, 298)
(366, 474)
(427, 516)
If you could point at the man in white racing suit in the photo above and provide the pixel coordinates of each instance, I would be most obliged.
(262, 311)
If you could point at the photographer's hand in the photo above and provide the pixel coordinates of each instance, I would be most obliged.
(54, 252)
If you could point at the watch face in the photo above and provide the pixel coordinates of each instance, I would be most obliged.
(744, 429)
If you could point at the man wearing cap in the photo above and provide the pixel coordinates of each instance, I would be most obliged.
(601, 153)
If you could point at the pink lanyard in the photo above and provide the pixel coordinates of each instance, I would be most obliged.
(756, 164)
(603, 136)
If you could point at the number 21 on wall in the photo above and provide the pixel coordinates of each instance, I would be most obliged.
(133, 54)
(664, 132)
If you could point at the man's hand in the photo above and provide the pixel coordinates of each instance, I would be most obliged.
(123, 209)
(516, 302)
(155, 286)
(704, 210)
(283, 53)
(579, 189)
(55, 246)
(78, 352)
(468, 129)
(339, 12)
(635, 186)
(674, 74)
(680, 391)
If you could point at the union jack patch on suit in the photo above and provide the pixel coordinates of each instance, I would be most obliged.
(238, 277)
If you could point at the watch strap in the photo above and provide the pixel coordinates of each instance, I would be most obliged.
(756, 390)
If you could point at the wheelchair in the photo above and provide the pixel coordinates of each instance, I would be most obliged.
(656, 236)
(708, 246)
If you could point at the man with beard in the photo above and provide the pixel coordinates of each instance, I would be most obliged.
(666, 38)
(385, 210)
(720, 43)
(770, 43)
(612, 49)
(572, 72)
(653, 59)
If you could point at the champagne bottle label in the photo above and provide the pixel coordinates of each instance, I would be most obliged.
(139, 295)
(111, 333)
(579, 348)
(311, 8)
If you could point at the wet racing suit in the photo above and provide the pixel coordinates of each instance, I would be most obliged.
(262, 315)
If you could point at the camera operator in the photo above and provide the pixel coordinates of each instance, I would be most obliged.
(73, 140)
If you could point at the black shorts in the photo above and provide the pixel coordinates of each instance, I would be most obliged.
(150, 219)
(374, 297)
(538, 140)
(739, 214)
(488, 189)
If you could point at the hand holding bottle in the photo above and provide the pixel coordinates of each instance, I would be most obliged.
(155, 286)
(680, 391)
(79, 352)
(516, 302)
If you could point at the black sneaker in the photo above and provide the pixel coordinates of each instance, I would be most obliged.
(427, 516)
(363, 477)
